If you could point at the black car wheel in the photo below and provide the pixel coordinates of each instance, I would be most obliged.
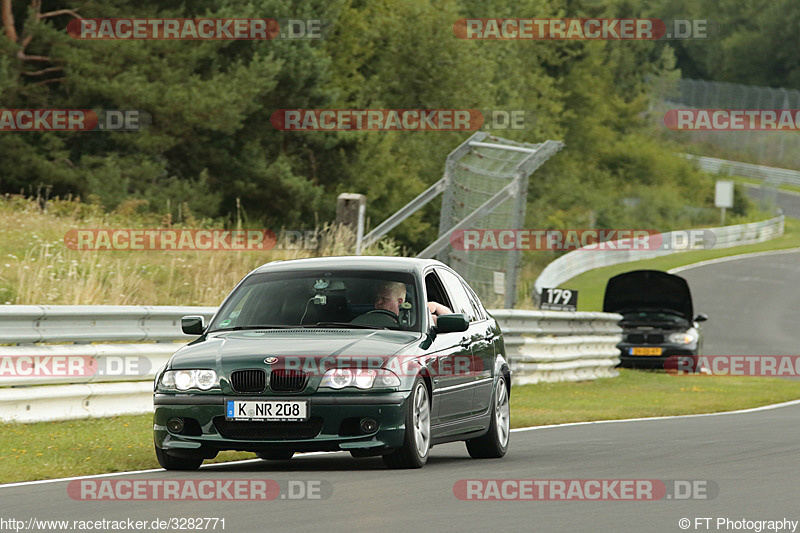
(170, 462)
(494, 443)
(275, 455)
(417, 441)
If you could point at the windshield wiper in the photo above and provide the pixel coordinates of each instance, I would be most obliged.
(344, 324)
(266, 326)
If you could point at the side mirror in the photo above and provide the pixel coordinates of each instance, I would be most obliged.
(451, 323)
(193, 325)
(701, 317)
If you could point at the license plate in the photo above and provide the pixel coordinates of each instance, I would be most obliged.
(289, 410)
(645, 351)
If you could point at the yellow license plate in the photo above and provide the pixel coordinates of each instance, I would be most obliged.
(645, 351)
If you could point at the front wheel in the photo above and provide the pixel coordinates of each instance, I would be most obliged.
(494, 444)
(417, 440)
(170, 462)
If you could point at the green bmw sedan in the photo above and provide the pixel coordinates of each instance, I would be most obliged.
(372, 355)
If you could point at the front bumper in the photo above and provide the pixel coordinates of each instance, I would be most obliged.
(333, 424)
(673, 356)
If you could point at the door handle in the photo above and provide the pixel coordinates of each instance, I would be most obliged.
(465, 342)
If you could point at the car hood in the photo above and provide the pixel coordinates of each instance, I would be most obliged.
(238, 349)
(648, 289)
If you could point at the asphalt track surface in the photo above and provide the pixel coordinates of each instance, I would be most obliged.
(787, 200)
(750, 461)
(753, 304)
(751, 457)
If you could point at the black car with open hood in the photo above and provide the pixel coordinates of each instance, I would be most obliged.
(659, 326)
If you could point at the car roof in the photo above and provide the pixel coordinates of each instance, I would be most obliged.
(355, 262)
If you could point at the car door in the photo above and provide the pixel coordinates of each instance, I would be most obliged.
(466, 369)
(484, 350)
(447, 349)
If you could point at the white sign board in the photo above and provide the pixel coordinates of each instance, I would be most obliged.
(723, 196)
(499, 282)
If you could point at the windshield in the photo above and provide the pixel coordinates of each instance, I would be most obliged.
(341, 298)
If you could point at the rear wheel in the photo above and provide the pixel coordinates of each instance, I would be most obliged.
(494, 443)
(275, 455)
(417, 440)
(171, 462)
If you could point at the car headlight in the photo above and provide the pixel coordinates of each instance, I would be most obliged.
(184, 379)
(339, 378)
(189, 379)
(168, 380)
(684, 337)
(205, 379)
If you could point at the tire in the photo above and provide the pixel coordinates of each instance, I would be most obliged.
(170, 462)
(417, 440)
(275, 455)
(494, 444)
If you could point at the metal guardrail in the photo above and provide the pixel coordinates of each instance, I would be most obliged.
(22, 324)
(115, 352)
(548, 346)
(542, 346)
(583, 260)
(735, 168)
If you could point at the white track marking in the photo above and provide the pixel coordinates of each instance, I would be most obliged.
(731, 258)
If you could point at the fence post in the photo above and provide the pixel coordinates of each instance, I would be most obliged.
(350, 211)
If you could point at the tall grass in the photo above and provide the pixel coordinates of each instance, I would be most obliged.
(36, 267)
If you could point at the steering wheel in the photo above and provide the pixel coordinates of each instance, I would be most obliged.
(382, 311)
(377, 317)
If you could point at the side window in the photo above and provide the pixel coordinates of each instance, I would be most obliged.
(436, 292)
(476, 303)
(458, 295)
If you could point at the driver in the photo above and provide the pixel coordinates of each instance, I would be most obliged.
(390, 296)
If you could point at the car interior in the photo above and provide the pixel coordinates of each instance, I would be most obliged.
(307, 301)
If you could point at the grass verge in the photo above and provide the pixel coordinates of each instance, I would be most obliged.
(637, 394)
(592, 285)
(782, 187)
(81, 447)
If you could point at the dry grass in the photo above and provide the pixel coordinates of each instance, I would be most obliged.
(37, 268)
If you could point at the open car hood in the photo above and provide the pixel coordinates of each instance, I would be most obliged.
(648, 289)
